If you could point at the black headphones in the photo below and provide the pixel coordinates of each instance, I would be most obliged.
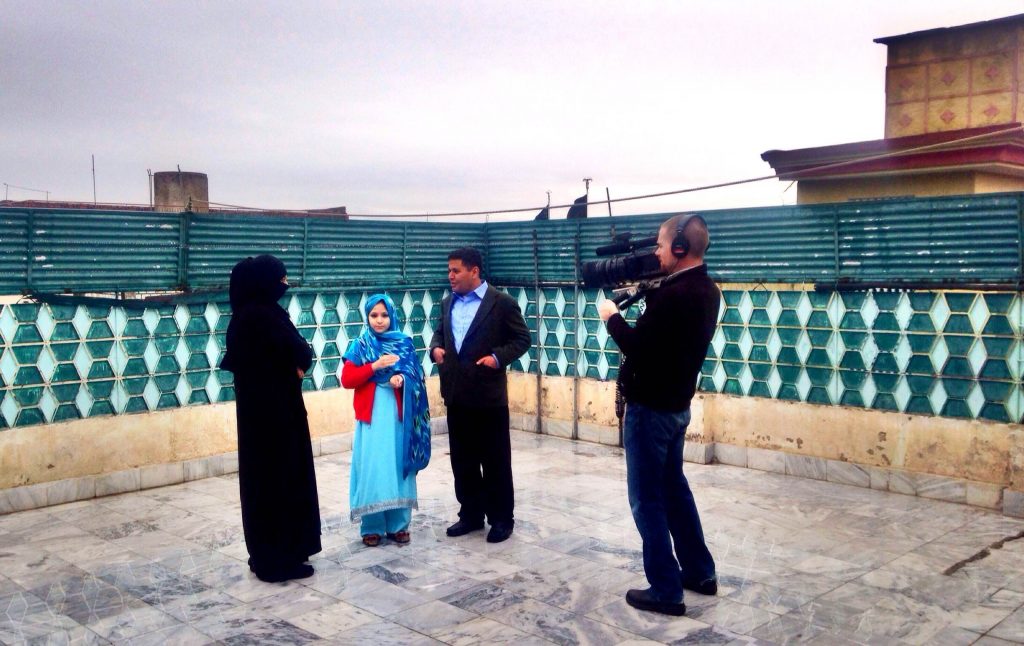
(680, 245)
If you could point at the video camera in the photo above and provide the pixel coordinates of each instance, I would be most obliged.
(630, 274)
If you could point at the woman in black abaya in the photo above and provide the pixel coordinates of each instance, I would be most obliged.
(280, 509)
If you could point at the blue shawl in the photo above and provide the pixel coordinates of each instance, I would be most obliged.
(367, 348)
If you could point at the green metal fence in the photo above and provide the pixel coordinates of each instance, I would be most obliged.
(61, 250)
(935, 241)
(944, 241)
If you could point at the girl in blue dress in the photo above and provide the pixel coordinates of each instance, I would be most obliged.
(392, 436)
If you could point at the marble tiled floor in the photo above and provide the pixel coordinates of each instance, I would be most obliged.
(800, 561)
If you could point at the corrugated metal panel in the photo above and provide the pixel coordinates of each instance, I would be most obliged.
(898, 239)
(365, 252)
(13, 250)
(781, 244)
(354, 252)
(323, 251)
(102, 251)
(957, 239)
(778, 244)
(427, 247)
(217, 242)
(969, 238)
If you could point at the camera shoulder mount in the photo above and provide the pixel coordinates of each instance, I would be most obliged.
(629, 294)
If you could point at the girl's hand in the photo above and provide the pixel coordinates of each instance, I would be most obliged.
(397, 381)
(385, 361)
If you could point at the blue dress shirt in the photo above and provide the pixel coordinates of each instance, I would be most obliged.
(464, 309)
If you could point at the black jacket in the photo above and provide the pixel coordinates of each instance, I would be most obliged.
(665, 351)
(499, 329)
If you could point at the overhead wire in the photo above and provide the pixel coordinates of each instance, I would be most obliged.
(794, 175)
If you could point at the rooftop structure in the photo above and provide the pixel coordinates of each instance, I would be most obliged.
(954, 107)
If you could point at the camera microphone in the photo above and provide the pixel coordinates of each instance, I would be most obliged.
(613, 248)
(625, 246)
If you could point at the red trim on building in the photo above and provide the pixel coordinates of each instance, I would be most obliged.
(1003, 149)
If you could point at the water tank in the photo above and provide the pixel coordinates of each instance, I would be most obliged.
(179, 191)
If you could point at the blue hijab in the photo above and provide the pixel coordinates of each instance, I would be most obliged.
(367, 348)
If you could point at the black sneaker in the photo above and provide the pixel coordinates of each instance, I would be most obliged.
(644, 600)
(461, 528)
(707, 586)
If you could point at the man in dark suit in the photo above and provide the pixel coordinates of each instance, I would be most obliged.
(480, 333)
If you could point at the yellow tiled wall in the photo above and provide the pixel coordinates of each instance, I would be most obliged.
(951, 82)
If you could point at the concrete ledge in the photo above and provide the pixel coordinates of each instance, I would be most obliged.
(151, 476)
(730, 454)
(983, 494)
(765, 460)
(1013, 503)
(804, 466)
(941, 488)
(847, 473)
(159, 475)
(903, 482)
(699, 453)
(23, 498)
(600, 434)
(438, 426)
(879, 478)
(70, 490)
(527, 423)
(924, 485)
(339, 443)
(556, 428)
(110, 484)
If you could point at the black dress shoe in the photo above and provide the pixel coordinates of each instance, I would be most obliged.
(462, 527)
(643, 600)
(499, 532)
(707, 586)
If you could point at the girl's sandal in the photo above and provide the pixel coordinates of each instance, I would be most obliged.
(371, 540)
(401, 537)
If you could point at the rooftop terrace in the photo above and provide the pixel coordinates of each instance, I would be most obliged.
(799, 561)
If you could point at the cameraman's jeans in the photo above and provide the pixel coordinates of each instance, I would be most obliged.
(662, 504)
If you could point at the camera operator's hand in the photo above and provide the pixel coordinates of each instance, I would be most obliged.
(607, 308)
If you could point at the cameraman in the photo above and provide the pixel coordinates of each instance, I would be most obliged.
(662, 357)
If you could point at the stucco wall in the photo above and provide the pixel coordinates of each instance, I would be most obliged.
(44, 453)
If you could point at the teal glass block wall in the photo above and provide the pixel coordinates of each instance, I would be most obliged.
(954, 354)
(947, 353)
(65, 362)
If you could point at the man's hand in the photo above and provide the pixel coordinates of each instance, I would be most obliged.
(396, 381)
(437, 354)
(385, 361)
(300, 372)
(487, 361)
(607, 308)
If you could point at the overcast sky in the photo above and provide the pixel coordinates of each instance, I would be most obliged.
(410, 107)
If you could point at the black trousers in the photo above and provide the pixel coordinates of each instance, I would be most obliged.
(481, 455)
